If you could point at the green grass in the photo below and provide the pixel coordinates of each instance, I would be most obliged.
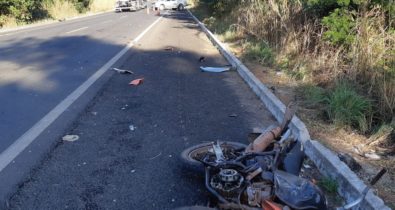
(230, 36)
(328, 185)
(343, 105)
(347, 107)
(313, 95)
(260, 52)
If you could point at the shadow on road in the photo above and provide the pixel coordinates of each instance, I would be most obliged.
(177, 106)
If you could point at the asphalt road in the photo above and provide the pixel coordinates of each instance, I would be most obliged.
(177, 106)
(40, 66)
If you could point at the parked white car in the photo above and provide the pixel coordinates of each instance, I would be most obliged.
(170, 4)
(129, 5)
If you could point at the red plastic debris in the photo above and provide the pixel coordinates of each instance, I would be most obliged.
(136, 82)
(270, 205)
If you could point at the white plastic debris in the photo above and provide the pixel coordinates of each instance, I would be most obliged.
(132, 127)
(122, 71)
(215, 69)
(372, 156)
(70, 138)
(160, 153)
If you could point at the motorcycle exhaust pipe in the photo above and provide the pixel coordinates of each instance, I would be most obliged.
(266, 138)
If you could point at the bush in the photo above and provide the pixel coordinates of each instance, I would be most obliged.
(222, 7)
(81, 5)
(261, 52)
(340, 24)
(346, 107)
(59, 9)
(14, 12)
(314, 95)
(230, 35)
(21, 10)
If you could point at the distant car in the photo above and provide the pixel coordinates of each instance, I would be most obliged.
(171, 4)
(129, 5)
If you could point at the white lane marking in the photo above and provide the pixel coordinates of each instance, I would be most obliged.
(6, 34)
(108, 21)
(80, 29)
(122, 17)
(29, 136)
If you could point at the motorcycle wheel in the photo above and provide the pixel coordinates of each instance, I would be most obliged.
(190, 155)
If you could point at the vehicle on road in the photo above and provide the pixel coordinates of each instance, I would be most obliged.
(170, 4)
(262, 175)
(129, 5)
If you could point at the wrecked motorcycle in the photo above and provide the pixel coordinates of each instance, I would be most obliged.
(262, 175)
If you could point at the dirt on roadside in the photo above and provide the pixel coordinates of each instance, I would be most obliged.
(339, 140)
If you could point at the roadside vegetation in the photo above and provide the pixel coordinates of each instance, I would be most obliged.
(342, 51)
(338, 57)
(20, 12)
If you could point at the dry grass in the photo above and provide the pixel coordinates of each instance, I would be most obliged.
(60, 9)
(297, 38)
(373, 59)
(101, 5)
(8, 22)
(297, 41)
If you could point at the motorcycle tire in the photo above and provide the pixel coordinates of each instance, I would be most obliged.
(190, 163)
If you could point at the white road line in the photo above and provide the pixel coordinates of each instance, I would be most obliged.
(5, 34)
(108, 21)
(29, 136)
(80, 29)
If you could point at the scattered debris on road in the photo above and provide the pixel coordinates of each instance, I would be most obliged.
(202, 59)
(160, 153)
(132, 127)
(122, 71)
(136, 82)
(233, 115)
(124, 107)
(215, 69)
(70, 138)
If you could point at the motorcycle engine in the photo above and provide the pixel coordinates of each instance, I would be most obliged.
(227, 182)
